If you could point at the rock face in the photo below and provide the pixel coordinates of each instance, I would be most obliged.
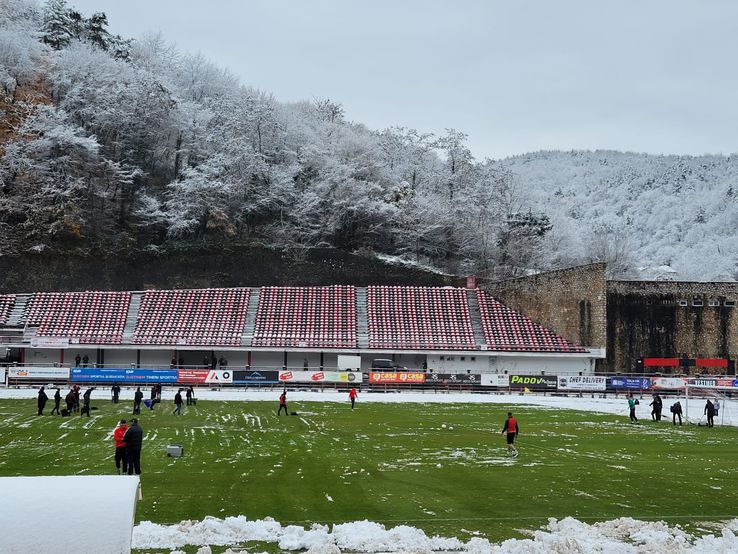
(200, 268)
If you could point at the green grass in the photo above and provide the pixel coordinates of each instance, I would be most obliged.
(381, 463)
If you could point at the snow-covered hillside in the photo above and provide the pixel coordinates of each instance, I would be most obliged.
(679, 212)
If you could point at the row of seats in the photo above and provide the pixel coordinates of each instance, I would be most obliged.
(315, 317)
(90, 317)
(508, 330)
(310, 317)
(199, 317)
(7, 301)
(419, 318)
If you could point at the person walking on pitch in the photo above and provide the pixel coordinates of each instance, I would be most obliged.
(133, 439)
(632, 403)
(352, 396)
(283, 403)
(710, 412)
(42, 398)
(511, 428)
(57, 401)
(137, 398)
(178, 403)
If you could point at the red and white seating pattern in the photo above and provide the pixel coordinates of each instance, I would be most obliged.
(419, 317)
(207, 317)
(7, 301)
(508, 330)
(84, 317)
(306, 317)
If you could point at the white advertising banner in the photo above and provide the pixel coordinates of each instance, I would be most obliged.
(672, 383)
(50, 342)
(582, 382)
(216, 376)
(495, 380)
(320, 376)
(38, 372)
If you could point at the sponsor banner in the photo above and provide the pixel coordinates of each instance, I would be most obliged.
(670, 383)
(320, 376)
(124, 375)
(255, 376)
(50, 342)
(396, 377)
(630, 382)
(208, 376)
(495, 380)
(582, 382)
(38, 372)
(714, 383)
(453, 378)
(534, 382)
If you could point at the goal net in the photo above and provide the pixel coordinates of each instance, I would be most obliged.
(720, 392)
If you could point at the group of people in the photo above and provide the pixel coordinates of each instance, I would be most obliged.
(72, 401)
(128, 443)
(712, 408)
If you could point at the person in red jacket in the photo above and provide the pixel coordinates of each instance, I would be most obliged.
(121, 464)
(352, 396)
(283, 403)
(511, 428)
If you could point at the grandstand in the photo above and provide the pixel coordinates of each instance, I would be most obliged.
(444, 328)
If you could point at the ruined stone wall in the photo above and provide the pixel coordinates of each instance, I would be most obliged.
(670, 319)
(572, 302)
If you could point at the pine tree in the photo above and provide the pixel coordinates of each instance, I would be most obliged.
(57, 25)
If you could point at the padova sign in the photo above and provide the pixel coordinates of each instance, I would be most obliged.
(534, 382)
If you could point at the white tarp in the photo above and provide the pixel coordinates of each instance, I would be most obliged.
(582, 382)
(89, 514)
(38, 372)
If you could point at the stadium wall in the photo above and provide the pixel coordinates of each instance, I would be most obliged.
(572, 302)
(670, 319)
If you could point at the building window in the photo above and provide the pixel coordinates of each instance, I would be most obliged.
(713, 302)
(682, 302)
(463, 358)
(696, 301)
(473, 358)
(729, 303)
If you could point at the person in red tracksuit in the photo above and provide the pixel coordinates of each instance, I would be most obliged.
(121, 463)
(511, 428)
(352, 396)
(283, 403)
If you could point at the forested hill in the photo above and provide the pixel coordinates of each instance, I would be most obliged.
(124, 146)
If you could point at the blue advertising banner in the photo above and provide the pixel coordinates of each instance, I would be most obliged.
(95, 374)
(640, 383)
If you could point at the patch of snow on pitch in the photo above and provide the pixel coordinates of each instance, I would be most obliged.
(565, 536)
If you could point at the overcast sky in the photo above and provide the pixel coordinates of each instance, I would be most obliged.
(654, 76)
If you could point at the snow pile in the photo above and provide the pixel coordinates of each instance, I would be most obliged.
(568, 535)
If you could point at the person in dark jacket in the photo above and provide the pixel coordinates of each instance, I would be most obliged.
(656, 407)
(57, 401)
(189, 394)
(137, 398)
(85, 360)
(709, 411)
(76, 390)
(77, 360)
(86, 402)
(676, 412)
(42, 398)
(115, 391)
(69, 399)
(178, 403)
(133, 440)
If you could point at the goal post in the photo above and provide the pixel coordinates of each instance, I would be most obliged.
(717, 390)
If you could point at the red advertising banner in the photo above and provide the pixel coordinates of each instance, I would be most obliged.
(396, 377)
(192, 375)
(661, 362)
(711, 362)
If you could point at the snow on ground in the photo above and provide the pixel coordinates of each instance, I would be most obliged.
(589, 402)
(568, 535)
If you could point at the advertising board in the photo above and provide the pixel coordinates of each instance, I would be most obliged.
(320, 376)
(38, 372)
(407, 377)
(453, 378)
(495, 380)
(94, 374)
(582, 382)
(534, 382)
(640, 383)
(253, 376)
(204, 376)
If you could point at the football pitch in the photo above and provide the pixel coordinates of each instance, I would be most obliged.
(440, 467)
